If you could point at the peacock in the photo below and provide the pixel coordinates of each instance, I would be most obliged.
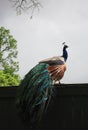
(37, 87)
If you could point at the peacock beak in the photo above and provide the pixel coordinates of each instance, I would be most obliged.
(67, 46)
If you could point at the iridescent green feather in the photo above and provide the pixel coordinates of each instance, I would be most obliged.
(34, 93)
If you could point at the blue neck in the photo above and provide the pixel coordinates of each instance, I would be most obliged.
(65, 54)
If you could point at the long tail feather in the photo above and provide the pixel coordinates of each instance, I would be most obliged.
(34, 93)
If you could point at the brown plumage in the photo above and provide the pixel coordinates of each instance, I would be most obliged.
(57, 71)
(57, 65)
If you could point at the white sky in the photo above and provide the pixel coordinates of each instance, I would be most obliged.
(41, 37)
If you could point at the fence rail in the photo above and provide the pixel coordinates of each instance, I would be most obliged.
(68, 110)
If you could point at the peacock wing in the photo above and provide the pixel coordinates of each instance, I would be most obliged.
(57, 71)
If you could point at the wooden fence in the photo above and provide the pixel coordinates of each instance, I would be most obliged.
(69, 109)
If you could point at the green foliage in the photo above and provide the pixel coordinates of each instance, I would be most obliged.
(8, 51)
(6, 79)
(8, 55)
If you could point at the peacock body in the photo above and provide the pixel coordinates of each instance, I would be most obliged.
(36, 88)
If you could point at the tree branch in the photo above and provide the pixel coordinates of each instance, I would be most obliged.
(24, 5)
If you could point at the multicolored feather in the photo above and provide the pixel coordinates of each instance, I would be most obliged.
(34, 93)
(36, 89)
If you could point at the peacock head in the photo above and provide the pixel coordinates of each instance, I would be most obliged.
(65, 53)
(65, 46)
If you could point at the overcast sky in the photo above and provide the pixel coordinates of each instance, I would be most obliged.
(41, 37)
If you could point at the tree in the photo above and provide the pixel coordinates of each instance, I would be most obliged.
(24, 5)
(6, 79)
(8, 55)
(8, 52)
